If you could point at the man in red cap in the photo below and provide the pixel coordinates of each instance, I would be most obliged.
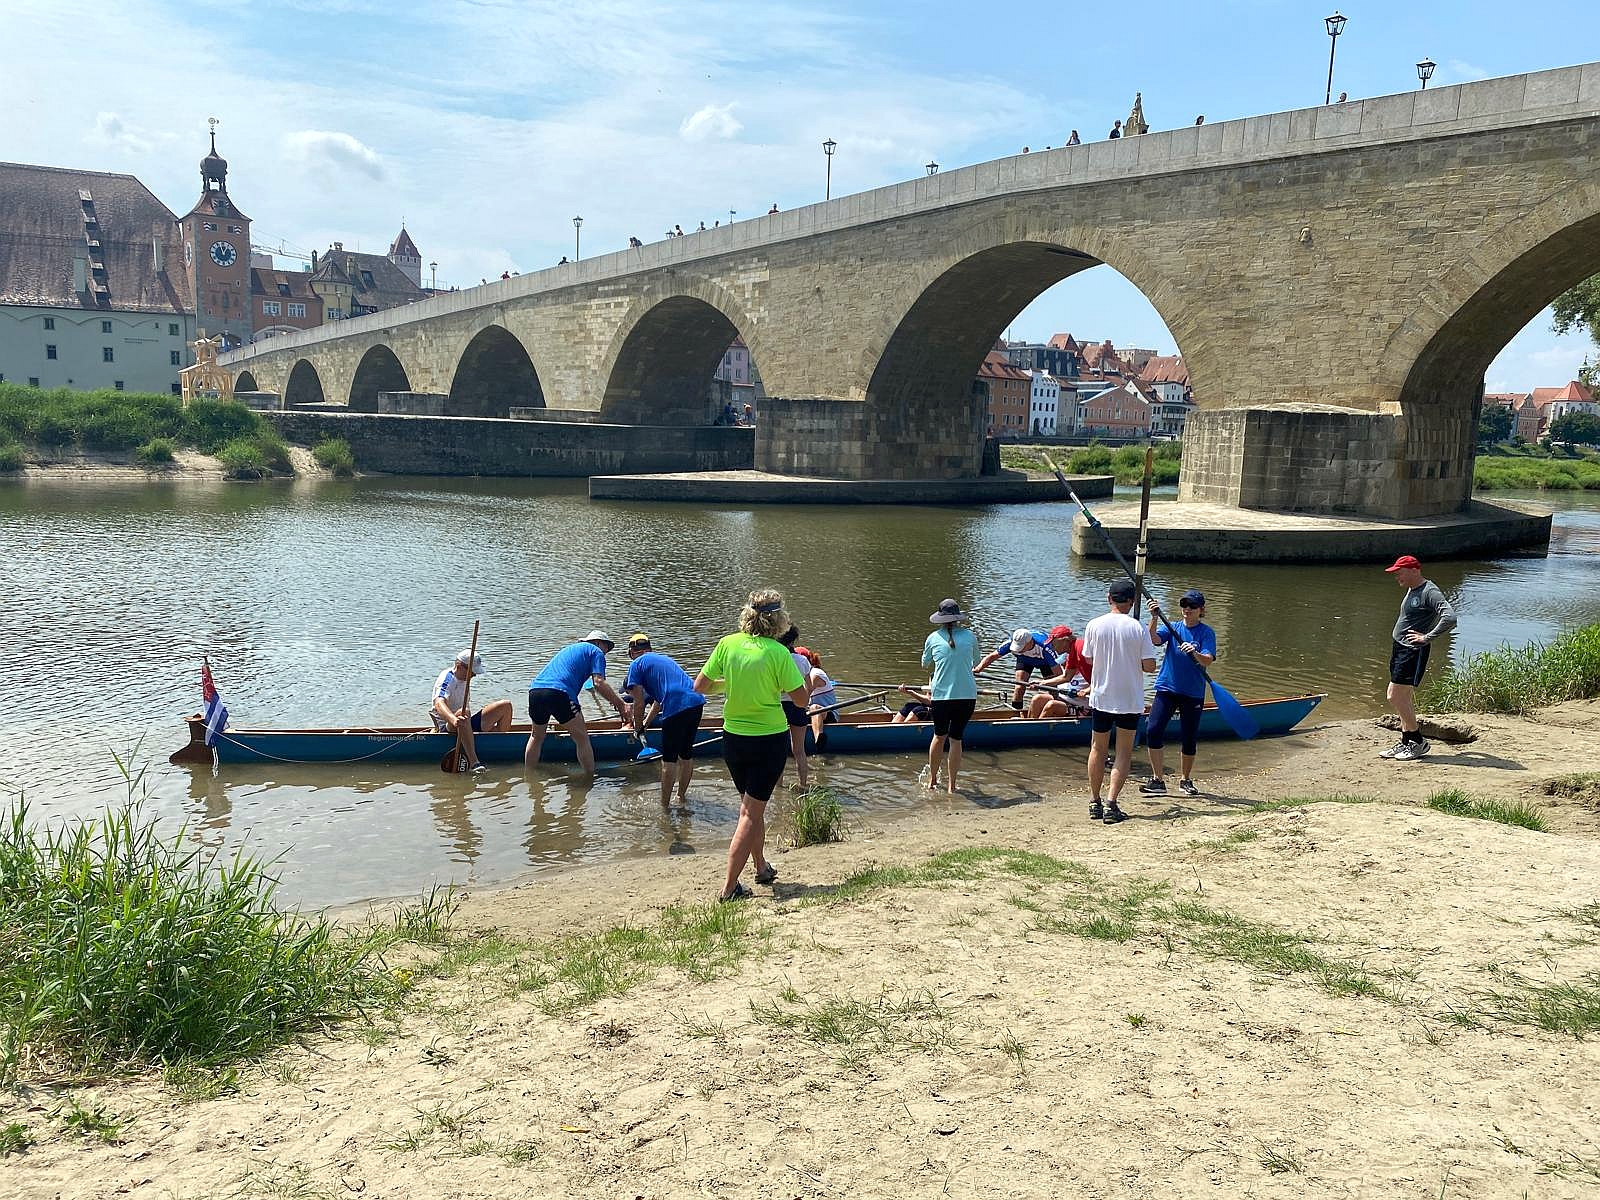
(1424, 615)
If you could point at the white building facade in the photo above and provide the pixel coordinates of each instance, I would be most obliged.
(1043, 404)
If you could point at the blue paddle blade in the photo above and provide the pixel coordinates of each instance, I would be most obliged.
(1235, 714)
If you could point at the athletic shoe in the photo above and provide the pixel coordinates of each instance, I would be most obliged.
(1114, 814)
(1411, 751)
(478, 768)
(1393, 751)
(1154, 787)
(1096, 810)
(1187, 787)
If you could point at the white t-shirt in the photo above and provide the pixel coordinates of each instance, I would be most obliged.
(449, 689)
(1117, 645)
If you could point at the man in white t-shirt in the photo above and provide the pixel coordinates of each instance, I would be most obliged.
(448, 710)
(1120, 649)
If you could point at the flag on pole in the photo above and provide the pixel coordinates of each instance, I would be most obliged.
(216, 713)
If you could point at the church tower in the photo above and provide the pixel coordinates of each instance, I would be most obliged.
(216, 254)
(404, 254)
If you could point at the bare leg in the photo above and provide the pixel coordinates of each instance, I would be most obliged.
(530, 756)
(1119, 772)
(579, 733)
(468, 745)
(747, 838)
(818, 722)
(497, 717)
(1158, 762)
(669, 772)
(955, 764)
(1188, 766)
(1097, 762)
(685, 773)
(935, 757)
(1402, 698)
(797, 744)
(1021, 689)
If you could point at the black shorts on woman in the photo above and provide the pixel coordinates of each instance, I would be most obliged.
(950, 717)
(756, 762)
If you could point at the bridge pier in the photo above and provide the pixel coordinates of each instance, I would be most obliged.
(819, 436)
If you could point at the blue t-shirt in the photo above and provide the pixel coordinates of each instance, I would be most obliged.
(1041, 650)
(663, 681)
(1178, 672)
(571, 668)
(952, 665)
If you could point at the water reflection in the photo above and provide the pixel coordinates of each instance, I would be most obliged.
(320, 604)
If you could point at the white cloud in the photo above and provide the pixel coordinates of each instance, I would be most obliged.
(713, 121)
(314, 148)
(111, 130)
(1463, 72)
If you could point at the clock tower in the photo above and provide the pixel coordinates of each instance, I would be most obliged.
(216, 254)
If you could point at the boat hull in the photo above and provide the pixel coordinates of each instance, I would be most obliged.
(853, 733)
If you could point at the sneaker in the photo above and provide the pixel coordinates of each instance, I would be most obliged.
(1411, 751)
(478, 768)
(1155, 787)
(1394, 750)
(1096, 810)
(1114, 814)
(1187, 787)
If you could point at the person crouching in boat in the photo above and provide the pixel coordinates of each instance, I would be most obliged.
(822, 697)
(1180, 686)
(1032, 651)
(450, 706)
(918, 708)
(1072, 682)
(659, 682)
(553, 696)
(794, 713)
(951, 651)
(755, 671)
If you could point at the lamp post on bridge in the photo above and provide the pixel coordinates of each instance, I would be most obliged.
(933, 167)
(577, 238)
(1335, 26)
(1425, 70)
(433, 277)
(828, 147)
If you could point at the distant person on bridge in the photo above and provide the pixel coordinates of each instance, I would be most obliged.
(1074, 140)
(1116, 130)
(553, 696)
(773, 209)
(1424, 615)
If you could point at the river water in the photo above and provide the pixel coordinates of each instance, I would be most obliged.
(339, 602)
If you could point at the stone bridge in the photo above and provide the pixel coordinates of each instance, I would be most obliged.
(1338, 279)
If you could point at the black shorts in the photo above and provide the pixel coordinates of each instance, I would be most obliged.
(950, 717)
(678, 733)
(756, 762)
(1407, 663)
(916, 709)
(550, 704)
(1028, 665)
(794, 714)
(1105, 722)
(477, 723)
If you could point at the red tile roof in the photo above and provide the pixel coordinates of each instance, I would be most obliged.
(995, 366)
(1166, 368)
(1574, 391)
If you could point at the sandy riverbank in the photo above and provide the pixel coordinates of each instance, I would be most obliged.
(91, 466)
(1326, 999)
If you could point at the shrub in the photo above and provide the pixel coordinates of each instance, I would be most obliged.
(242, 459)
(52, 431)
(10, 457)
(1093, 460)
(1518, 679)
(817, 817)
(273, 450)
(335, 455)
(211, 424)
(154, 453)
(116, 429)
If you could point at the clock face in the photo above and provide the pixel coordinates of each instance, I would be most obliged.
(223, 254)
(188, 253)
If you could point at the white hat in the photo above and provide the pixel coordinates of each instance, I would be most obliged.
(600, 635)
(467, 656)
(1021, 639)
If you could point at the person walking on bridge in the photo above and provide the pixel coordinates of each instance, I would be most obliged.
(1424, 615)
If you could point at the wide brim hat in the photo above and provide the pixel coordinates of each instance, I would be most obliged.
(949, 613)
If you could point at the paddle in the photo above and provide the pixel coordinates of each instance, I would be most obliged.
(1238, 718)
(456, 759)
(650, 755)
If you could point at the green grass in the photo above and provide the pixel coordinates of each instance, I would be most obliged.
(11, 457)
(14, 1138)
(335, 455)
(1281, 1162)
(1519, 679)
(1572, 1007)
(1508, 812)
(862, 1029)
(1535, 469)
(815, 817)
(1126, 463)
(156, 452)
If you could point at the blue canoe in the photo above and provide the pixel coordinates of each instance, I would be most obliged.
(853, 733)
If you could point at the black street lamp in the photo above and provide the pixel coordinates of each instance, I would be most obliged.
(1335, 26)
(433, 271)
(1425, 70)
(933, 168)
(577, 238)
(828, 147)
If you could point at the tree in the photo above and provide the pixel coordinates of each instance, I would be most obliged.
(1579, 308)
(1494, 424)
(1576, 427)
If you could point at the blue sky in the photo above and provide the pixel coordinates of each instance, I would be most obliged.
(488, 124)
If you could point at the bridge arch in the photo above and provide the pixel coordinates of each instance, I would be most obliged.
(493, 375)
(245, 382)
(661, 362)
(304, 386)
(378, 371)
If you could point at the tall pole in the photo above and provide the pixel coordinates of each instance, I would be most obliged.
(433, 281)
(1335, 26)
(577, 238)
(828, 147)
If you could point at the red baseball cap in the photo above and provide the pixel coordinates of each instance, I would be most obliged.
(1402, 563)
(1061, 631)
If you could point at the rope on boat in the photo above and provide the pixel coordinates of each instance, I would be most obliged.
(323, 762)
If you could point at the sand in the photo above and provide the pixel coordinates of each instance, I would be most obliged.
(87, 466)
(1003, 1053)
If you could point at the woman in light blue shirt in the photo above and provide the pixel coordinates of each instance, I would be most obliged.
(951, 651)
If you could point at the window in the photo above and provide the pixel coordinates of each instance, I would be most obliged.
(117, 383)
(210, 227)
(49, 351)
(270, 308)
(49, 322)
(297, 310)
(172, 329)
(105, 327)
(177, 389)
(283, 289)
(235, 229)
(177, 358)
(366, 278)
(108, 354)
(33, 381)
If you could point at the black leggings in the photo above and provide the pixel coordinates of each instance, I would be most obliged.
(1161, 709)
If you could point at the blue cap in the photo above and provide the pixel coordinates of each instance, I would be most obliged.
(1194, 598)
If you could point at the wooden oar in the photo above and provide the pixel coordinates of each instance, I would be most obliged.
(1141, 549)
(456, 759)
(1234, 713)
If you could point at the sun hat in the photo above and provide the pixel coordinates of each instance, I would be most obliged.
(949, 613)
(639, 639)
(1021, 639)
(1194, 598)
(599, 635)
(1061, 631)
(1121, 591)
(467, 656)
(1402, 563)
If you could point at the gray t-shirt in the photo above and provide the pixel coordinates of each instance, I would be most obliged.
(1424, 611)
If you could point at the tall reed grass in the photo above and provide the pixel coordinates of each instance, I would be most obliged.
(122, 947)
(1518, 679)
(60, 418)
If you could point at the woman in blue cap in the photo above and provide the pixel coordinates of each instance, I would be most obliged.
(1180, 688)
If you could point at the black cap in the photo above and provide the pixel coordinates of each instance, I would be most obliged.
(1121, 592)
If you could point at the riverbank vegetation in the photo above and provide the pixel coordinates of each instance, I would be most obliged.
(1533, 468)
(1126, 463)
(147, 426)
(1518, 679)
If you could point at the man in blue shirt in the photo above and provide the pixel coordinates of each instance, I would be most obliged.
(658, 681)
(1034, 650)
(1180, 687)
(553, 696)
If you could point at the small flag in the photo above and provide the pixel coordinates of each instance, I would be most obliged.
(216, 713)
